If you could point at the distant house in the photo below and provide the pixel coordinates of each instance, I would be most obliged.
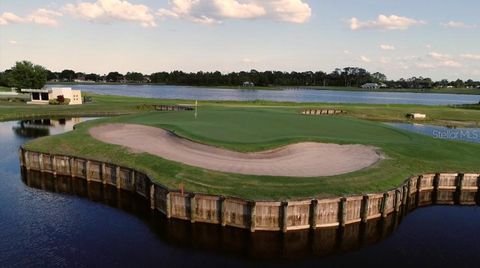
(416, 116)
(43, 96)
(248, 84)
(371, 86)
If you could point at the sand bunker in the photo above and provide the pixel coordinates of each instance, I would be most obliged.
(306, 159)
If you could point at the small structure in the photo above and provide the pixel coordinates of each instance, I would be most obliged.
(416, 116)
(43, 96)
(248, 84)
(371, 86)
(322, 112)
(374, 85)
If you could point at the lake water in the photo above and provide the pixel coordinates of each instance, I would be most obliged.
(291, 95)
(439, 132)
(63, 222)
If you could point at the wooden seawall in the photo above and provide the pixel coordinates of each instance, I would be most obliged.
(261, 215)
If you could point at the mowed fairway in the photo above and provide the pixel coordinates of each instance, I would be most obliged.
(254, 129)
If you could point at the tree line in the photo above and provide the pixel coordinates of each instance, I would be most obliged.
(28, 75)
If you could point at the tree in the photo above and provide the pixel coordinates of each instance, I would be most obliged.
(51, 75)
(67, 75)
(92, 77)
(27, 75)
(134, 77)
(114, 77)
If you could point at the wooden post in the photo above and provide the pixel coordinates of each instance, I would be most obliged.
(398, 200)
(384, 205)
(253, 207)
(70, 164)
(405, 195)
(193, 204)
(87, 170)
(284, 217)
(152, 196)
(168, 205)
(40, 162)
(223, 208)
(364, 210)
(419, 183)
(54, 165)
(436, 182)
(313, 214)
(134, 181)
(343, 211)
(20, 154)
(104, 174)
(27, 160)
(119, 178)
(460, 177)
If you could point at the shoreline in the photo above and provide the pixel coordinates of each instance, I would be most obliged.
(265, 215)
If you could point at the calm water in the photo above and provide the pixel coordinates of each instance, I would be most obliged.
(294, 95)
(47, 222)
(439, 132)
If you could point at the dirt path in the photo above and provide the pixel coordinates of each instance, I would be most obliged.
(306, 159)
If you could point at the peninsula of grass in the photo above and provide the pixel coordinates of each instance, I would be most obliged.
(245, 128)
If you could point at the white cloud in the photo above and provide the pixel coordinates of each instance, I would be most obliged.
(425, 66)
(365, 59)
(9, 18)
(347, 52)
(112, 10)
(249, 60)
(387, 47)
(459, 24)
(44, 17)
(12, 42)
(471, 56)
(40, 16)
(428, 46)
(444, 60)
(383, 22)
(215, 11)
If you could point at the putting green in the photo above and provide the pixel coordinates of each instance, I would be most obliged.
(257, 129)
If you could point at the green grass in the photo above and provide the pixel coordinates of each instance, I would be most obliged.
(246, 128)
(106, 105)
(5, 89)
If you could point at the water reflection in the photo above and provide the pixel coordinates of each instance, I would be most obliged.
(35, 128)
(239, 242)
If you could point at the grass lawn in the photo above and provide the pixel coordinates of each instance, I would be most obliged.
(5, 89)
(107, 105)
(249, 127)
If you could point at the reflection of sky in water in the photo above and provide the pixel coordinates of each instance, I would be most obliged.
(439, 132)
(292, 95)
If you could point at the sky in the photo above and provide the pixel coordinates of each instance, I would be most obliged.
(400, 38)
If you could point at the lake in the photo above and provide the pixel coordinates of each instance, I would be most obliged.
(289, 95)
(64, 222)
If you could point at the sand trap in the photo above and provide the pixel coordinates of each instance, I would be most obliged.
(306, 159)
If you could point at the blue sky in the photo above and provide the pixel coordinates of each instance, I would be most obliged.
(401, 38)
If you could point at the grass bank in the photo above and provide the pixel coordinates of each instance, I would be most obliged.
(252, 128)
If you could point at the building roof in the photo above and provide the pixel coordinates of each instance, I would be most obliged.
(31, 90)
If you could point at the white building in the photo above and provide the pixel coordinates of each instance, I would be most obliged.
(371, 86)
(43, 96)
(374, 85)
(416, 116)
